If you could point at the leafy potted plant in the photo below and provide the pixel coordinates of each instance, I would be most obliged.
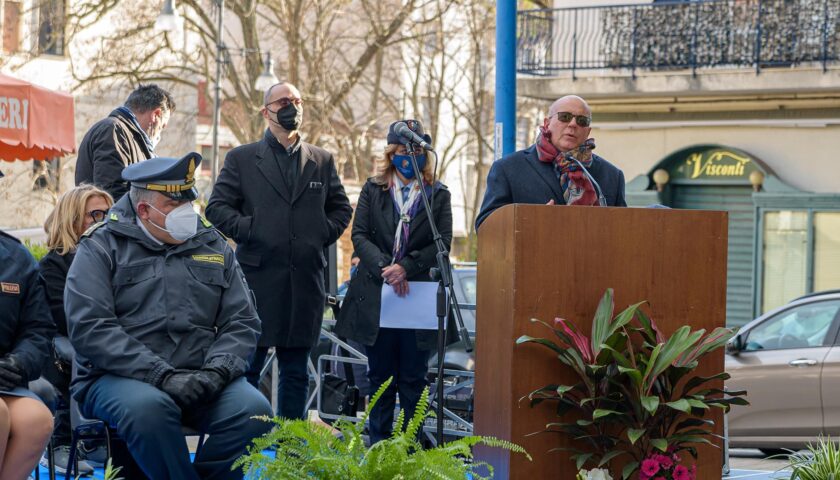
(822, 462)
(309, 450)
(636, 393)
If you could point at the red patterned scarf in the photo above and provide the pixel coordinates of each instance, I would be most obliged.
(577, 189)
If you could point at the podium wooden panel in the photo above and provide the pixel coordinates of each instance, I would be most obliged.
(537, 261)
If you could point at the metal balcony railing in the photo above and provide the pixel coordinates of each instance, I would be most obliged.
(679, 35)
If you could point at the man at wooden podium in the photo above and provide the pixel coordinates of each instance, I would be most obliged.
(549, 171)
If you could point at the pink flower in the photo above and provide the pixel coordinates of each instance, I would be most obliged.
(642, 476)
(681, 473)
(692, 473)
(650, 467)
(664, 461)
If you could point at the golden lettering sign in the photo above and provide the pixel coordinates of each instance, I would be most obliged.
(720, 163)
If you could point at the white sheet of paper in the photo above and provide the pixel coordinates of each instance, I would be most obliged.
(418, 309)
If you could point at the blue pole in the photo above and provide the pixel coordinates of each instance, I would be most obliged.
(505, 127)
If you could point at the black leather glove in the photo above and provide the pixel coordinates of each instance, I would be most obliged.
(186, 387)
(214, 382)
(11, 373)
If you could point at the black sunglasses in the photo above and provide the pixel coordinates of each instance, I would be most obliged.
(566, 117)
(98, 215)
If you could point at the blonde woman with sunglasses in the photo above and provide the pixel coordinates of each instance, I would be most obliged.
(76, 211)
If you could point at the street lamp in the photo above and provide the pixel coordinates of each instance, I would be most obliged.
(267, 77)
(169, 21)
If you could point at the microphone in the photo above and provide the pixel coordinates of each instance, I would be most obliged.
(402, 130)
(601, 200)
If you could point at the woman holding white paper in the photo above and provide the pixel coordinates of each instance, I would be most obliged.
(393, 239)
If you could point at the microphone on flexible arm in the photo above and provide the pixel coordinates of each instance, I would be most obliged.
(402, 130)
(601, 200)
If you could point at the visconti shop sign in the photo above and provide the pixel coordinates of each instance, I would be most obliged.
(719, 164)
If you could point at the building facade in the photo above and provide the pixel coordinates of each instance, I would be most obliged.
(36, 49)
(727, 105)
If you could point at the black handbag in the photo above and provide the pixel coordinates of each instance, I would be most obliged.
(339, 396)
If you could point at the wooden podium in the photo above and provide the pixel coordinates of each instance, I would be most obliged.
(537, 261)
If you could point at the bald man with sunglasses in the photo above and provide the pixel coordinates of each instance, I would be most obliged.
(549, 171)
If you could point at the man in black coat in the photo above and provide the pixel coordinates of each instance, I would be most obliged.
(128, 135)
(282, 202)
(535, 176)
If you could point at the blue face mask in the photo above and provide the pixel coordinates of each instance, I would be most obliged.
(403, 164)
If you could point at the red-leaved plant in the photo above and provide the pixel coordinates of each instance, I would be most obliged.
(636, 394)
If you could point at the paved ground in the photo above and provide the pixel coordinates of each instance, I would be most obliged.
(745, 464)
(749, 464)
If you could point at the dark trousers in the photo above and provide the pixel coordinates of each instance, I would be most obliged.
(395, 354)
(151, 422)
(293, 379)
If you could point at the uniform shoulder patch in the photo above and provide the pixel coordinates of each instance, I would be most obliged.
(210, 258)
(93, 228)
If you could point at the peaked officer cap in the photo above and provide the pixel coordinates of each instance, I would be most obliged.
(173, 177)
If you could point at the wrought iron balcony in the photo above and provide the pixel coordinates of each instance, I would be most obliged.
(680, 35)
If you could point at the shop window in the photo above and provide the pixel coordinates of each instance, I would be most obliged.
(826, 250)
(52, 15)
(785, 257)
(11, 26)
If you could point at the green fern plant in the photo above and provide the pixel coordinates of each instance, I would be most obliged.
(822, 462)
(309, 450)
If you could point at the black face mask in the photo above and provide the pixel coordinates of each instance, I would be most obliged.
(290, 117)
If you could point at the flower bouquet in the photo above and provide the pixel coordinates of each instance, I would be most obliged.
(666, 467)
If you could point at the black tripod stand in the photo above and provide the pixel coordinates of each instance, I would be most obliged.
(443, 275)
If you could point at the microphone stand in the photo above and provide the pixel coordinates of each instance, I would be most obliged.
(443, 275)
(601, 200)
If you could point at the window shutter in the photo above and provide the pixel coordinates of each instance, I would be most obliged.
(11, 26)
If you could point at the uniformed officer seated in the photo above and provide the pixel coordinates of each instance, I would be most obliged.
(163, 325)
(26, 330)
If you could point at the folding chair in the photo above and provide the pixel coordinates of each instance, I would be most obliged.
(50, 463)
(83, 428)
(94, 429)
(46, 391)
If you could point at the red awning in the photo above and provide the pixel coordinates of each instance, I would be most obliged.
(35, 123)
